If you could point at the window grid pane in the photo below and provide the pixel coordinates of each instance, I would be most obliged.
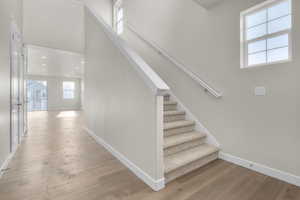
(269, 20)
(120, 14)
(276, 55)
(120, 27)
(256, 32)
(268, 51)
(257, 59)
(119, 18)
(280, 24)
(279, 10)
(257, 46)
(263, 23)
(69, 94)
(278, 41)
(68, 90)
(257, 18)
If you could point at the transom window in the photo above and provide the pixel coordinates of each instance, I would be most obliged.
(118, 17)
(69, 90)
(266, 33)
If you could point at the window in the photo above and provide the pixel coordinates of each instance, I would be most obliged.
(266, 33)
(68, 90)
(118, 17)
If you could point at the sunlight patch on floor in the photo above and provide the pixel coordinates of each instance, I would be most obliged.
(67, 114)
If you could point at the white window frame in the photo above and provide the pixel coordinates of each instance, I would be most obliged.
(244, 42)
(117, 6)
(69, 90)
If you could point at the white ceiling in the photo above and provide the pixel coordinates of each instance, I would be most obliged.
(52, 62)
(54, 23)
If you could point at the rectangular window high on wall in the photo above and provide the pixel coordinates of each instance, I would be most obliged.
(68, 90)
(118, 17)
(266, 34)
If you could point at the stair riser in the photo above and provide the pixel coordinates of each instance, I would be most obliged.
(172, 118)
(190, 167)
(184, 146)
(170, 107)
(175, 131)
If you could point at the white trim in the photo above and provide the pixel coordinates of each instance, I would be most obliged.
(262, 5)
(155, 83)
(275, 173)
(159, 136)
(210, 139)
(5, 165)
(156, 185)
(7, 161)
(177, 63)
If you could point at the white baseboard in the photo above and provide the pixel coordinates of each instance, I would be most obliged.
(275, 173)
(156, 185)
(4, 165)
(6, 162)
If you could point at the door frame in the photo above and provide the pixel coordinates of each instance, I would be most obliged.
(15, 32)
(25, 98)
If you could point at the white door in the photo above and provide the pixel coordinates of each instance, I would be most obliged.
(16, 65)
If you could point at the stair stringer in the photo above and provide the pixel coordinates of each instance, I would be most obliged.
(210, 139)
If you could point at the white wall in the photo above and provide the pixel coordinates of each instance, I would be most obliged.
(54, 23)
(261, 129)
(60, 24)
(120, 108)
(103, 8)
(8, 9)
(55, 92)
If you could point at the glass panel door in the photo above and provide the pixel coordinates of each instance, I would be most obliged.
(37, 95)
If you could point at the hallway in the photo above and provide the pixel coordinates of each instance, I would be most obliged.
(59, 161)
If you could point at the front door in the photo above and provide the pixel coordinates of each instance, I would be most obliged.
(16, 60)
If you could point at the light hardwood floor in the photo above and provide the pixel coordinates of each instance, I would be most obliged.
(59, 161)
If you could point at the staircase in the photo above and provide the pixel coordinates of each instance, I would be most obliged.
(184, 148)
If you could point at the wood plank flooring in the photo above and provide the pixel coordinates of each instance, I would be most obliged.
(59, 161)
